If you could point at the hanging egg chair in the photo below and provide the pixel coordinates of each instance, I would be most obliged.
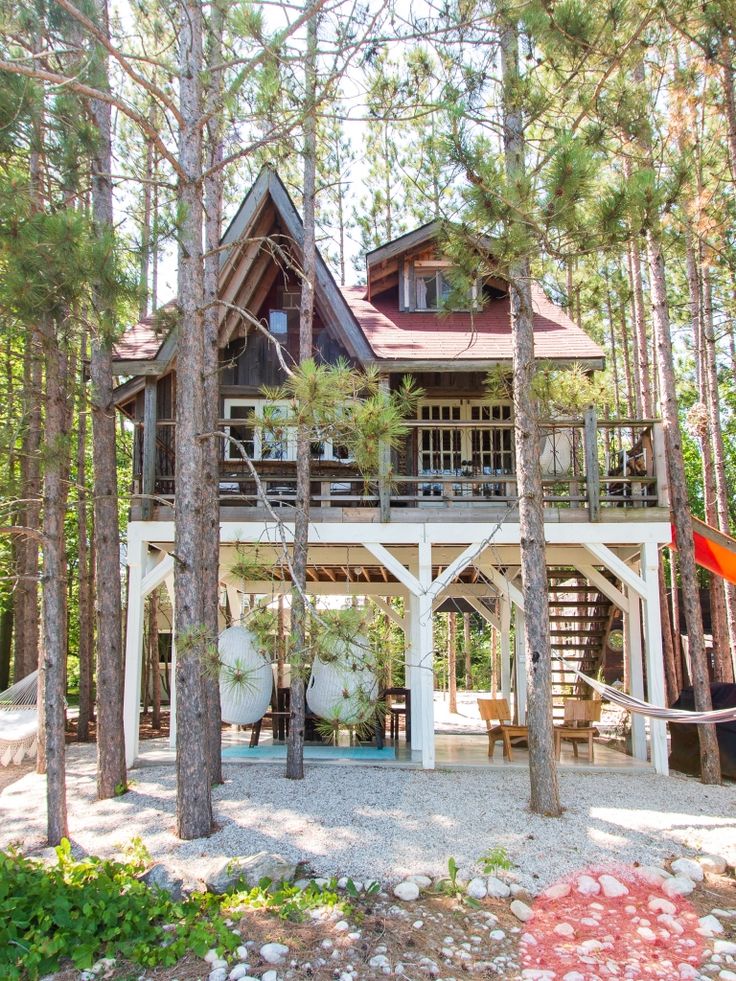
(246, 678)
(556, 452)
(342, 688)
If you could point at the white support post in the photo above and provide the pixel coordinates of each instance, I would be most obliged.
(172, 667)
(134, 643)
(520, 666)
(505, 632)
(412, 672)
(424, 651)
(654, 655)
(635, 671)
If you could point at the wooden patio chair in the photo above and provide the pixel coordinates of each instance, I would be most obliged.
(580, 714)
(497, 710)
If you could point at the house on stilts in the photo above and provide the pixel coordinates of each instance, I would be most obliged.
(445, 526)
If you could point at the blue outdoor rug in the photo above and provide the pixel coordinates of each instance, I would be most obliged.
(271, 752)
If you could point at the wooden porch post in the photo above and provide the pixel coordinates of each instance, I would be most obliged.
(520, 666)
(133, 643)
(149, 446)
(635, 671)
(654, 654)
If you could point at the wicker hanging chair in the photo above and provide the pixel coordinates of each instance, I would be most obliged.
(246, 678)
(341, 689)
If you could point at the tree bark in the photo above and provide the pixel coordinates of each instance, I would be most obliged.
(295, 745)
(452, 661)
(193, 790)
(84, 572)
(54, 576)
(111, 770)
(709, 758)
(545, 798)
(729, 100)
(213, 190)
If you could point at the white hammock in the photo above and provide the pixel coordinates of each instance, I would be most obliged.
(19, 720)
(639, 707)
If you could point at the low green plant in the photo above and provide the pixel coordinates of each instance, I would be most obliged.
(288, 901)
(93, 908)
(450, 885)
(496, 860)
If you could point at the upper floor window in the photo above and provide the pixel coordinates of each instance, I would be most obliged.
(262, 429)
(432, 289)
(278, 321)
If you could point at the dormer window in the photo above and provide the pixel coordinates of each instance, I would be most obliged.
(432, 289)
(278, 322)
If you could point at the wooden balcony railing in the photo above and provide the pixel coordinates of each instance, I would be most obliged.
(588, 464)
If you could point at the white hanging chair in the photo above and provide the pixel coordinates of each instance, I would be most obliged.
(340, 690)
(246, 679)
(19, 720)
(555, 452)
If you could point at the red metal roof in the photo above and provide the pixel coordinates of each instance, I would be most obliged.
(142, 341)
(483, 336)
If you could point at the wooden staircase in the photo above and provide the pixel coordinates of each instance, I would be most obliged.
(580, 620)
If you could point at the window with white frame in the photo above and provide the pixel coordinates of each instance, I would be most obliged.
(256, 425)
(487, 449)
(432, 289)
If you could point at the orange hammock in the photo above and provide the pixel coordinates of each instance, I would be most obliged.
(713, 550)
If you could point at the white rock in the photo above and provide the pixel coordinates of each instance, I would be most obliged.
(521, 911)
(520, 892)
(270, 976)
(612, 887)
(407, 891)
(219, 974)
(658, 905)
(211, 955)
(529, 938)
(557, 891)
(380, 961)
(588, 886)
(241, 953)
(724, 947)
(497, 889)
(418, 924)
(423, 881)
(573, 976)
(476, 889)
(715, 864)
(709, 926)
(239, 973)
(219, 963)
(564, 930)
(273, 953)
(646, 933)
(342, 926)
(653, 874)
(678, 885)
(689, 868)
(727, 975)
(497, 935)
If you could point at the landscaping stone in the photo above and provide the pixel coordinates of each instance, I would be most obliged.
(588, 886)
(270, 976)
(273, 953)
(229, 873)
(219, 974)
(159, 877)
(713, 864)
(689, 868)
(521, 911)
(611, 886)
(709, 926)
(476, 889)
(557, 891)
(678, 885)
(497, 889)
(423, 881)
(724, 947)
(239, 973)
(406, 891)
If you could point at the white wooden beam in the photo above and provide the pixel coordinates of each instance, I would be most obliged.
(133, 645)
(425, 658)
(635, 672)
(172, 668)
(605, 586)
(483, 610)
(158, 574)
(502, 583)
(505, 638)
(520, 665)
(395, 567)
(604, 555)
(390, 612)
(464, 559)
(654, 655)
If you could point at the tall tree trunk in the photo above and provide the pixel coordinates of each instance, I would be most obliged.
(145, 257)
(727, 649)
(644, 395)
(193, 790)
(84, 572)
(111, 770)
(729, 100)
(452, 661)
(630, 387)
(709, 759)
(467, 647)
(545, 797)
(295, 745)
(54, 576)
(6, 640)
(213, 190)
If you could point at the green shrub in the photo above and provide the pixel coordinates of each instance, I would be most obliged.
(96, 908)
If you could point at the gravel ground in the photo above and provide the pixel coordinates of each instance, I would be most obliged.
(385, 823)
